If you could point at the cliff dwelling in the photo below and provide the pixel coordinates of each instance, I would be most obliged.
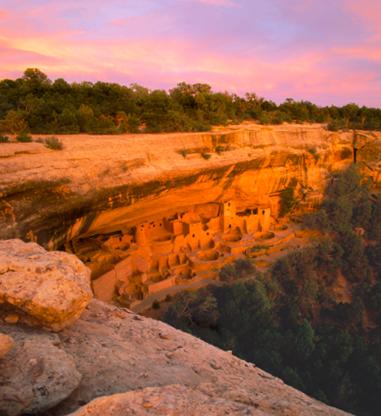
(181, 249)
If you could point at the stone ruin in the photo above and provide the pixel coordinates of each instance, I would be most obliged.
(181, 249)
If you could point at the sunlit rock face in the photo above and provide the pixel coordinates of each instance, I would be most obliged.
(49, 289)
(128, 206)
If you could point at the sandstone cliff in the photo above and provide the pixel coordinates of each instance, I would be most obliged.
(94, 197)
(155, 369)
(150, 212)
(99, 184)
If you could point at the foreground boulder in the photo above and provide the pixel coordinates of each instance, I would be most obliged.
(37, 287)
(35, 375)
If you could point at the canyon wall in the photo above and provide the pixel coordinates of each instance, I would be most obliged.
(146, 212)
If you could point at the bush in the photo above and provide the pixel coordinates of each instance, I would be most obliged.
(240, 268)
(346, 153)
(24, 138)
(4, 139)
(227, 273)
(183, 152)
(314, 153)
(206, 156)
(219, 149)
(287, 201)
(155, 304)
(53, 143)
(243, 267)
(336, 125)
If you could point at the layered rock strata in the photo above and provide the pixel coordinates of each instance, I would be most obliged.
(93, 197)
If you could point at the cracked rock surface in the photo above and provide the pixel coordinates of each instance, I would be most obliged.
(37, 287)
(155, 368)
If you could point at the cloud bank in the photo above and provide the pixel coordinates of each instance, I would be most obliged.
(329, 54)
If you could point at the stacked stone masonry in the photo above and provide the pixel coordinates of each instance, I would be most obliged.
(180, 249)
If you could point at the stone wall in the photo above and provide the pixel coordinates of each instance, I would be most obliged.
(195, 242)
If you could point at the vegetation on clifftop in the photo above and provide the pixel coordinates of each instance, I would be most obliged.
(314, 319)
(35, 103)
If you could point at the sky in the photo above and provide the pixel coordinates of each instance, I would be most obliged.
(324, 51)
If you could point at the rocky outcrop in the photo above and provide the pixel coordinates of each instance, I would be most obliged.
(6, 344)
(182, 400)
(41, 288)
(206, 399)
(154, 366)
(151, 367)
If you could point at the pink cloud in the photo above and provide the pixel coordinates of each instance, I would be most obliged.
(221, 3)
(369, 11)
(160, 46)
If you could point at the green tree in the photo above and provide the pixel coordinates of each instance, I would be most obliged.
(86, 120)
(14, 122)
(68, 121)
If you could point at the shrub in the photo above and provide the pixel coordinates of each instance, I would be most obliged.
(4, 139)
(346, 153)
(240, 268)
(227, 273)
(336, 125)
(155, 304)
(201, 126)
(53, 143)
(314, 153)
(287, 201)
(219, 149)
(258, 247)
(24, 138)
(133, 124)
(243, 266)
(183, 152)
(206, 156)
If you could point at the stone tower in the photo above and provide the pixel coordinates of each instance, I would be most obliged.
(228, 216)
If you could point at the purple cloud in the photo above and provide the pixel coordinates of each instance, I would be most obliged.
(279, 49)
